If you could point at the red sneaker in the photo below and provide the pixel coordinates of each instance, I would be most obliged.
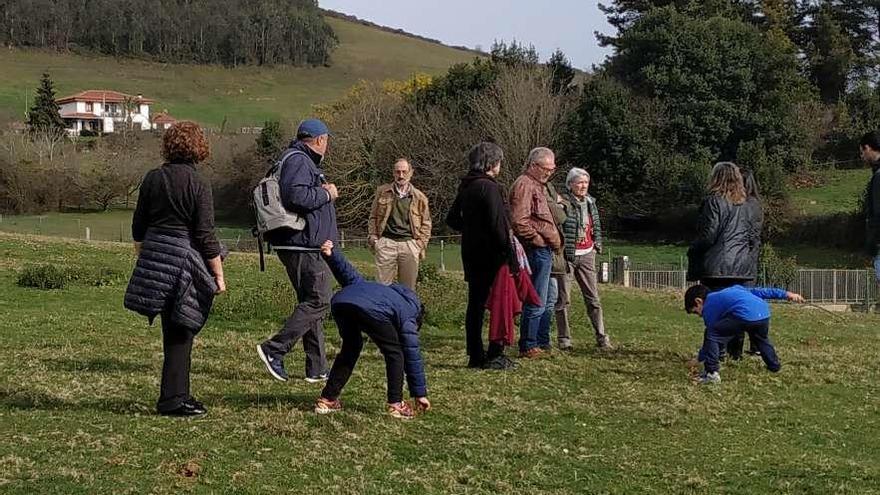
(327, 406)
(400, 410)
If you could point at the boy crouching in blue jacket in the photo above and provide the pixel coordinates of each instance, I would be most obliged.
(730, 312)
(391, 315)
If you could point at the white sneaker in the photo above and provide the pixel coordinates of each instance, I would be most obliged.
(706, 379)
(317, 379)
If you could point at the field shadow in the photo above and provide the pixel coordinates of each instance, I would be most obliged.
(98, 365)
(32, 401)
(628, 354)
(301, 401)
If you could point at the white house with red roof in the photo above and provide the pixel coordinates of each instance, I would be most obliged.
(103, 111)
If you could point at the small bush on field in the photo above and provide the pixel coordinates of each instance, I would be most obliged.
(57, 277)
(777, 271)
(95, 277)
(428, 272)
(44, 277)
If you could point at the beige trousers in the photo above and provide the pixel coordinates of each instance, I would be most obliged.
(397, 260)
(583, 271)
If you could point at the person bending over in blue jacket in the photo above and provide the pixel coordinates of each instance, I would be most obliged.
(391, 315)
(727, 314)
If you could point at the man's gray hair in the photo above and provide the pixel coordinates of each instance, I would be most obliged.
(538, 155)
(484, 156)
(574, 174)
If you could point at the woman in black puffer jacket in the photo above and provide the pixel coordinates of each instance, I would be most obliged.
(721, 255)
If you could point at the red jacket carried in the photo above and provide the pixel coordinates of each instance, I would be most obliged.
(506, 299)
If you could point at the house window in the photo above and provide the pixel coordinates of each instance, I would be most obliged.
(89, 107)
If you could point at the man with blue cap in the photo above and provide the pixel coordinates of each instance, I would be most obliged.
(305, 191)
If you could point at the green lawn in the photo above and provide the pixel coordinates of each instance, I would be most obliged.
(243, 96)
(79, 377)
(839, 192)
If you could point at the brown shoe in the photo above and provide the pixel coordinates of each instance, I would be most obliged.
(533, 353)
(605, 345)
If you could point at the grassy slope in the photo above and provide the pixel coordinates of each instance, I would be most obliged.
(247, 95)
(839, 192)
(78, 377)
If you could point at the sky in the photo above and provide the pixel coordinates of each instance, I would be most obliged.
(548, 25)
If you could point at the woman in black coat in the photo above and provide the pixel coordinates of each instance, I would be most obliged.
(721, 255)
(175, 239)
(479, 212)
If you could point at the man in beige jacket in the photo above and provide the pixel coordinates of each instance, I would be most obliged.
(400, 227)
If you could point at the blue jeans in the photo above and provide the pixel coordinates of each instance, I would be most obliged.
(541, 261)
(877, 267)
(543, 337)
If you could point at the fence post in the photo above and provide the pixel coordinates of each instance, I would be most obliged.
(442, 258)
(88, 234)
(834, 286)
(1, 218)
(341, 239)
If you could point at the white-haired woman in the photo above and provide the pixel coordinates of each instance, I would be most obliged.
(583, 239)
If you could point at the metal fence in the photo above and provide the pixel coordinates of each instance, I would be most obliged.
(823, 286)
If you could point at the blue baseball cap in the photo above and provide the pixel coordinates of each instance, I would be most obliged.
(311, 128)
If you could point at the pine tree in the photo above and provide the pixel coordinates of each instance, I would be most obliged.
(561, 72)
(44, 115)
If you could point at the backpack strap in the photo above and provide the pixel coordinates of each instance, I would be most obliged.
(280, 163)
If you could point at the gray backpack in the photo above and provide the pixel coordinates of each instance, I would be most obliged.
(269, 209)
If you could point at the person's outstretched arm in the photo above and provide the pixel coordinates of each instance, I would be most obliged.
(345, 272)
(774, 293)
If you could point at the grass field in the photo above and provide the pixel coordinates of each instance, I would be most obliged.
(243, 96)
(79, 376)
(839, 192)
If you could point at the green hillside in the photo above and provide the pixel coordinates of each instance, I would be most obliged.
(244, 96)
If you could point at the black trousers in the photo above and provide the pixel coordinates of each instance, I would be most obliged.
(479, 286)
(734, 348)
(310, 277)
(351, 320)
(177, 347)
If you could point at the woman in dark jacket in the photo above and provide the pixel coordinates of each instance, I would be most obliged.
(720, 256)
(174, 238)
(480, 214)
(755, 219)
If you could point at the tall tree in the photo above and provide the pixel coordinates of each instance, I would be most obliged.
(44, 115)
(561, 72)
(830, 55)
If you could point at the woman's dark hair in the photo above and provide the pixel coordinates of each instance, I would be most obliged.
(484, 156)
(690, 296)
(750, 183)
(184, 142)
(871, 140)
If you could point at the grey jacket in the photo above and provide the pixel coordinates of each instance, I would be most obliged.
(171, 278)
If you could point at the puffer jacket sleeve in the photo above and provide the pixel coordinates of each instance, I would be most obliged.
(345, 273)
(412, 356)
